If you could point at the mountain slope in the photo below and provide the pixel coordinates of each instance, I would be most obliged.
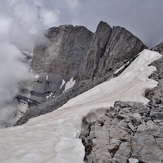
(76, 57)
(54, 137)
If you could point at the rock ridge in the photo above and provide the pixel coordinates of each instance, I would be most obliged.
(129, 131)
(69, 53)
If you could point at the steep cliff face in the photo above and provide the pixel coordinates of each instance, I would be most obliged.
(58, 59)
(63, 51)
(75, 53)
(121, 132)
(96, 50)
(111, 49)
(73, 57)
(129, 131)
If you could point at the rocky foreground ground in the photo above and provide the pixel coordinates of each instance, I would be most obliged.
(129, 132)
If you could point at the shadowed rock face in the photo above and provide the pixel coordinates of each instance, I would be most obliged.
(129, 131)
(158, 48)
(89, 58)
(96, 50)
(76, 52)
(63, 51)
(111, 51)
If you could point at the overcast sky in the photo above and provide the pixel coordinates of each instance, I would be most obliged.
(144, 18)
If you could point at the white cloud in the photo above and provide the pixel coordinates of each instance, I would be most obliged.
(49, 18)
(5, 26)
(22, 21)
(12, 72)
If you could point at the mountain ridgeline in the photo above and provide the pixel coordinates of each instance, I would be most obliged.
(120, 120)
(75, 58)
(77, 52)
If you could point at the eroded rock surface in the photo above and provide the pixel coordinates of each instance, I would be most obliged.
(128, 131)
(75, 52)
(76, 56)
(158, 48)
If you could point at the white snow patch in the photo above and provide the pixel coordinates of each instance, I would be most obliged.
(50, 95)
(70, 84)
(63, 82)
(133, 160)
(53, 137)
(47, 77)
(27, 53)
(37, 76)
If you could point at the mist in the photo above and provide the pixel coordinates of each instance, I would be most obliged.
(12, 71)
(21, 23)
(141, 17)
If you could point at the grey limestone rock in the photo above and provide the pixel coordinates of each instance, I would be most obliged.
(75, 52)
(158, 48)
(63, 50)
(125, 141)
(121, 47)
(96, 50)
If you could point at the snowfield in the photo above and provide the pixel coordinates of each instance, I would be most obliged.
(53, 138)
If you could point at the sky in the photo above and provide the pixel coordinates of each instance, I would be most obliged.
(142, 17)
(23, 21)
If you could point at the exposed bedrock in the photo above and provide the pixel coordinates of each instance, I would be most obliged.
(157, 92)
(128, 132)
(76, 52)
(74, 57)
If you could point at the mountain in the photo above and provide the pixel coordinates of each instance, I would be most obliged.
(74, 57)
(106, 90)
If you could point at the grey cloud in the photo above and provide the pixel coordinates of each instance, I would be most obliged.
(21, 23)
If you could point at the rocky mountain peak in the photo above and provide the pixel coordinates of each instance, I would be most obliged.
(74, 57)
(115, 109)
(76, 52)
(62, 51)
(158, 48)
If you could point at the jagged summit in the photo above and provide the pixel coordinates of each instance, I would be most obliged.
(107, 97)
(69, 50)
(74, 57)
(158, 48)
(75, 52)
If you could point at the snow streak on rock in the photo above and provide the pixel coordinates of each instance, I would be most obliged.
(54, 137)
